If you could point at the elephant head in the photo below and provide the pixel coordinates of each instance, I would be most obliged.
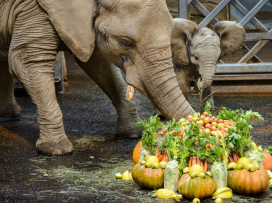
(203, 47)
(134, 35)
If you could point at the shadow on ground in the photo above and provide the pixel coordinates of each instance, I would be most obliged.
(88, 174)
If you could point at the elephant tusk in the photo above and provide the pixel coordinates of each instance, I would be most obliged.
(130, 92)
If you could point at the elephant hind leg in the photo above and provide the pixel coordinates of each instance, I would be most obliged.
(8, 106)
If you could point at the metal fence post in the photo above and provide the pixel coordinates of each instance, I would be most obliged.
(182, 9)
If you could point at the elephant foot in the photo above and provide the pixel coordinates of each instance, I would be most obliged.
(128, 130)
(49, 147)
(10, 110)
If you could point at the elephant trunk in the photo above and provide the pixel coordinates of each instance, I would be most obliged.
(155, 68)
(208, 73)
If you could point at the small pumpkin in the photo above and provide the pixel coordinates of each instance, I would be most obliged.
(137, 152)
(197, 187)
(248, 183)
(267, 162)
(148, 177)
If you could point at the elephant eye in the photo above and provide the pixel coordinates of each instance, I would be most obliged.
(196, 58)
(126, 42)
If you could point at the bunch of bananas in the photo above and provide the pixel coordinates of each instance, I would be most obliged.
(223, 192)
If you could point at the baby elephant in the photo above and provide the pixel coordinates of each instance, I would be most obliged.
(199, 50)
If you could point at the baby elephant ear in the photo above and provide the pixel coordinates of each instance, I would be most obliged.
(232, 36)
(73, 20)
(183, 28)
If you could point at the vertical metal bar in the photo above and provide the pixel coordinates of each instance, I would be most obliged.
(182, 9)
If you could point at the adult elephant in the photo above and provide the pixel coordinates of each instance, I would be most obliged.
(134, 35)
(196, 51)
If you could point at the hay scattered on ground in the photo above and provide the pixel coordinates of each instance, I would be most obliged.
(87, 141)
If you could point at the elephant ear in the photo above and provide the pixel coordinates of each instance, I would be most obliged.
(73, 20)
(183, 28)
(232, 36)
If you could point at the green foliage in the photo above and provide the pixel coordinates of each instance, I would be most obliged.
(172, 142)
(208, 108)
(150, 128)
(268, 149)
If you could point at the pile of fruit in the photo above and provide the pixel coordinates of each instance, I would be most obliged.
(201, 156)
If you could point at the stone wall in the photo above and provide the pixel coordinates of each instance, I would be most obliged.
(195, 15)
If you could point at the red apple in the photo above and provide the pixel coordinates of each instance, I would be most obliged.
(206, 120)
(220, 121)
(213, 117)
(208, 126)
(214, 124)
(211, 120)
(189, 117)
(217, 128)
(213, 128)
(205, 114)
(202, 117)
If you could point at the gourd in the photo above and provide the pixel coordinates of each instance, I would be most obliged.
(147, 177)
(248, 183)
(197, 187)
(267, 162)
(136, 152)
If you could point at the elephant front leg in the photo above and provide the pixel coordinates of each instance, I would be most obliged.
(8, 106)
(37, 78)
(110, 79)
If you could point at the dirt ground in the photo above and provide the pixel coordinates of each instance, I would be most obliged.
(87, 175)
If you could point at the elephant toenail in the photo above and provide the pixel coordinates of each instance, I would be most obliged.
(57, 152)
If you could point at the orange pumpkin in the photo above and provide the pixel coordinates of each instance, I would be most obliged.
(136, 152)
(248, 183)
(267, 162)
(147, 177)
(197, 187)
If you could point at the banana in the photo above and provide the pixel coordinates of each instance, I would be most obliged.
(227, 194)
(220, 190)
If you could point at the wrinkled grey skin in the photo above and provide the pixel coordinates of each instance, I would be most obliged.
(202, 48)
(104, 35)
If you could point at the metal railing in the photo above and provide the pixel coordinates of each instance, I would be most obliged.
(242, 66)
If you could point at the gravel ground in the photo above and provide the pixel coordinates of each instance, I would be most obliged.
(89, 120)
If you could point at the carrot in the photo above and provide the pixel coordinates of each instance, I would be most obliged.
(230, 159)
(190, 162)
(160, 157)
(160, 133)
(222, 157)
(157, 152)
(235, 156)
(164, 130)
(205, 166)
(208, 150)
(167, 160)
(197, 161)
(194, 160)
(201, 164)
(180, 133)
(207, 140)
(173, 132)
